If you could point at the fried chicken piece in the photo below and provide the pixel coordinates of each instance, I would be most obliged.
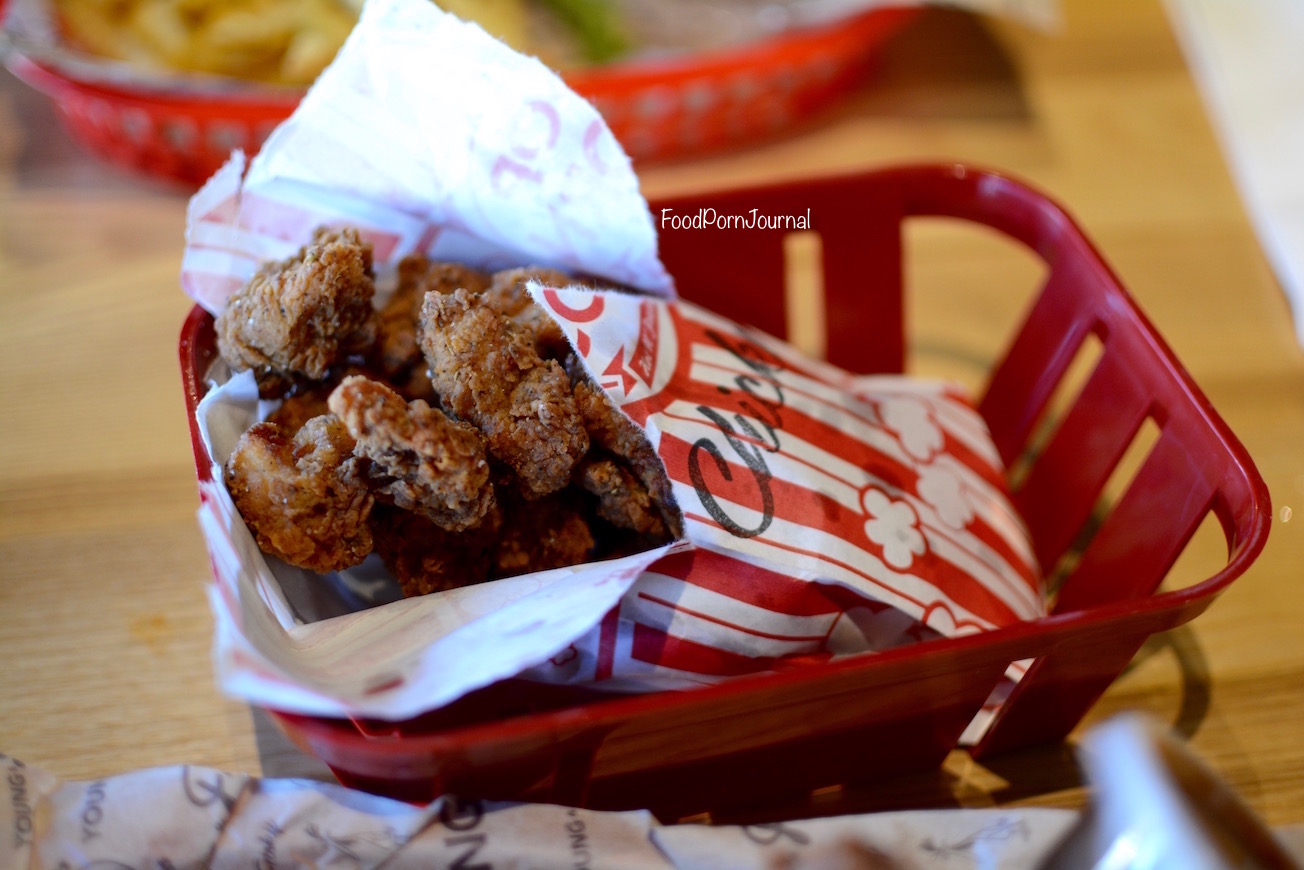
(303, 495)
(307, 399)
(610, 429)
(325, 235)
(347, 235)
(621, 499)
(508, 296)
(397, 347)
(420, 459)
(486, 371)
(425, 558)
(540, 535)
(300, 316)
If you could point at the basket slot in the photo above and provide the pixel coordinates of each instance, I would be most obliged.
(1206, 455)
(742, 271)
(1141, 539)
(806, 316)
(1127, 559)
(1023, 382)
(1134, 547)
(1065, 480)
(862, 287)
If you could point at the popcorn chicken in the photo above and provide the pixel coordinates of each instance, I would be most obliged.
(419, 459)
(299, 317)
(486, 371)
(304, 495)
(440, 432)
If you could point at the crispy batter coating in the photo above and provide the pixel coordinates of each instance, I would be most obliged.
(618, 435)
(355, 459)
(397, 347)
(302, 315)
(486, 370)
(420, 459)
(539, 535)
(621, 499)
(325, 235)
(304, 496)
(425, 558)
(508, 295)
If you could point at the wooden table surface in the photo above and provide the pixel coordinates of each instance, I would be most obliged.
(104, 627)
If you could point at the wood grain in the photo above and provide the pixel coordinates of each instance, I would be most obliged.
(104, 627)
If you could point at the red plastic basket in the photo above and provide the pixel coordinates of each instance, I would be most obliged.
(655, 108)
(813, 725)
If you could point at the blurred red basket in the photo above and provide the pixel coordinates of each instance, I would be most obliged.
(170, 135)
(854, 720)
(655, 108)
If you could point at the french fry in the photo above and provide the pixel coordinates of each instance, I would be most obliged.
(98, 28)
(162, 26)
(313, 47)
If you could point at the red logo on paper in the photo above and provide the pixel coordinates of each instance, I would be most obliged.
(643, 361)
(588, 313)
(616, 368)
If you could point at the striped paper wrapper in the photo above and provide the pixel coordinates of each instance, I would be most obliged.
(828, 514)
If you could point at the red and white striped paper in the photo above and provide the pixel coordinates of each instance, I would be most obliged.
(828, 514)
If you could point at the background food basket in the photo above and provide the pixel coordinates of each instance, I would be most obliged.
(816, 724)
(656, 108)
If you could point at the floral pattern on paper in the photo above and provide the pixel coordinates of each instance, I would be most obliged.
(912, 422)
(894, 526)
(944, 491)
